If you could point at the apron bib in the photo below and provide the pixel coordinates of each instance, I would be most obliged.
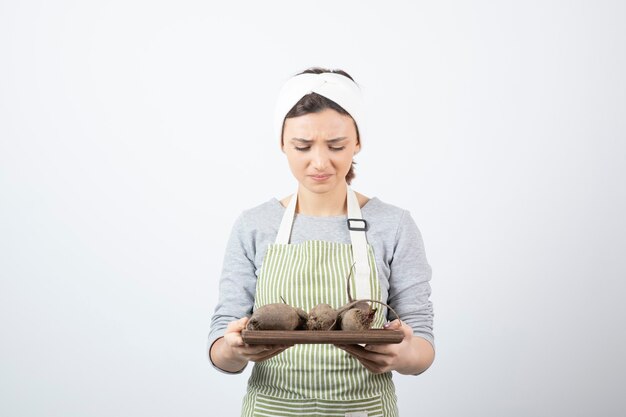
(318, 379)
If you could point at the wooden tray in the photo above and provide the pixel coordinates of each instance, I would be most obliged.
(339, 337)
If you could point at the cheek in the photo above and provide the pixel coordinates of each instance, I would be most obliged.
(344, 159)
(294, 159)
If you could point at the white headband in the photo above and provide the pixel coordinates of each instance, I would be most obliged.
(336, 87)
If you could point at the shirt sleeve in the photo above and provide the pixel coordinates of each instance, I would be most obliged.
(237, 282)
(409, 279)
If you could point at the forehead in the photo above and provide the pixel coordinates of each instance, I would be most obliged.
(325, 123)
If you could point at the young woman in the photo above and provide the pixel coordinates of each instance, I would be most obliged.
(302, 248)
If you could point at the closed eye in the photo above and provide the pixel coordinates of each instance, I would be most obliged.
(332, 148)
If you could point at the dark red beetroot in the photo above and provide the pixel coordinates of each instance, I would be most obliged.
(277, 316)
(322, 317)
(358, 314)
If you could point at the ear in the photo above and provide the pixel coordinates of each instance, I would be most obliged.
(357, 148)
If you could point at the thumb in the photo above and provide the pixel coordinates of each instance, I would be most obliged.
(393, 325)
(237, 326)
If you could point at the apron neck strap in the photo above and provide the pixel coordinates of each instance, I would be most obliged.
(356, 225)
(284, 232)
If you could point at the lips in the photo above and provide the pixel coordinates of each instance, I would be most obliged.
(320, 177)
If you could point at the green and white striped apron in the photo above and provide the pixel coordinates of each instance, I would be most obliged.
(318, 380)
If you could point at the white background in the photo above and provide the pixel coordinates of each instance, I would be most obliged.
(132, 133)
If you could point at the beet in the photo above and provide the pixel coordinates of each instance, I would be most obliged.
(357, 319)
(322, 317)
(277, 316)
(358, 314)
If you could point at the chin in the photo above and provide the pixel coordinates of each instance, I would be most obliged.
(320, 188)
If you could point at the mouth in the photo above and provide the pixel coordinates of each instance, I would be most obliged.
(320, 177)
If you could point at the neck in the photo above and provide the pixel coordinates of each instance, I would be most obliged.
(331, 203)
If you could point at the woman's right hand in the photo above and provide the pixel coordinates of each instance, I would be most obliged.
(253, 353)
(230, 353)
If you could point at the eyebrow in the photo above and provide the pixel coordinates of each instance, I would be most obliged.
(307, 141)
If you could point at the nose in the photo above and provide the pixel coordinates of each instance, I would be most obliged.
(319, 158)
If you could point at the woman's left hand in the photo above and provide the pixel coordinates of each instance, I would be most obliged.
(411, 356)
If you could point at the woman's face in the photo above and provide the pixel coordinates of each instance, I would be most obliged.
(319, 149)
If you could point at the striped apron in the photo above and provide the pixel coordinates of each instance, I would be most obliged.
(320, 379)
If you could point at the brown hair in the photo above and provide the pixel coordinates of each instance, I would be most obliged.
(315, 103)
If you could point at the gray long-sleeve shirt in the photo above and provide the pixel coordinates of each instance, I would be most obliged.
(403, 269)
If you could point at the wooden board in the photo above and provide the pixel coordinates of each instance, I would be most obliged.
(339, 337)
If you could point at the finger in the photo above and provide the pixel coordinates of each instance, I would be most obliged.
(385, 349)
(368, 364)
(237, 326)
(372, 366)
(393, 325)
(262, 349)
(269, 347)
(233, 326)
(408, 331)
(233, 339)
(266, 355)
(356, 351)
(378, 358)
(352, 348)
(256, 349)
(400, 325)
